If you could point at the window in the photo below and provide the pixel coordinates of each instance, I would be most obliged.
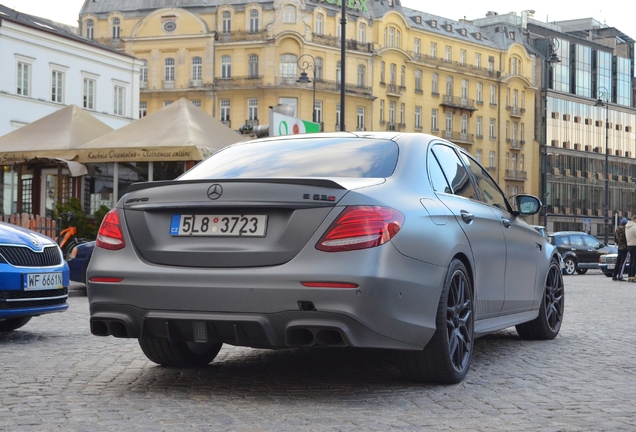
(226, 67)
(197, 68)
(143, 72)
(290, 102)
(464, 89)
(434, 123)
(115, 28)
(226, 18)
(392, 73)
(320, 24)
(24, 79)
(418, 117)
(462, 56)
(463, 124)
(254, 18)
(118, 98)
(391, 112)
(381, 110)
(478, 127)
(337, 117)
(252, 109)
(288, 65)
(478, 155)
(507, 97)
(143, 109)
(434, 49)
(523, 100)
(252, 62)
(493, 129)
(382, 81)
(449, 121)
(169, 26)
(507, 129)
(402, 113)
(515, 98)
(417, 47)
(360, 125)
(477, 60)
(391, 41)
(338, 72)
(418, 80)
(225, 110)
(449, 86)
(362, 33)
(480, 93)
(360, 76)
(515, 66)
(169, 69)
(196, 103)
(57, 86)
(90, 29)
(89, 94)
(493, 95)
(491, 159)
(318, 111)
(166, 103)
(289, 14)
(403, 76)
(491, 64)
(435, 84)
(449, 53)
(523, 133)
(318, 76)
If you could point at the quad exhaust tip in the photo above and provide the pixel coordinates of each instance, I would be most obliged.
(307, 337)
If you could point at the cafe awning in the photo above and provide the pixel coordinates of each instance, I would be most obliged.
(57, 135)
(178, 132)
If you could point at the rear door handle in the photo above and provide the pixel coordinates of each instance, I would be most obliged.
(506, 222)
(467, 217)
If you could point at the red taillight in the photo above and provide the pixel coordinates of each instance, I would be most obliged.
(329, 285)
(361, 228)
(106, 279)
(110, 236)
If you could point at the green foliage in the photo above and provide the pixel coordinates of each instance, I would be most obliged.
(84, 228)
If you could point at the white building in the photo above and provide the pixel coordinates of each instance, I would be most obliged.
(44, 68)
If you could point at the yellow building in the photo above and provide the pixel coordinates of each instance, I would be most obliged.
(405, 70)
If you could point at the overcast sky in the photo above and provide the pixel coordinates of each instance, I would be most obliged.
(612, 13)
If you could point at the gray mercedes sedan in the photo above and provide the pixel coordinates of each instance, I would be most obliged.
(369, 240)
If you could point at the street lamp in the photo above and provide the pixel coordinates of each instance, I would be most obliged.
(603, 93)
(550, 59)
(343, 38)
(304, 79)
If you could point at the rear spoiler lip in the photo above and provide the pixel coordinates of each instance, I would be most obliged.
(307, 181)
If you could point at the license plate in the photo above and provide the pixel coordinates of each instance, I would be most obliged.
(610, 266)
(218, 225)
(43, 281)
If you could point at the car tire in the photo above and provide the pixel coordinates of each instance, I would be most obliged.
(13, 323)
(570, 266)
(581, 271)
(179, 354)
(446, 358)
(548, 323)
(68, 248)
(608, 274)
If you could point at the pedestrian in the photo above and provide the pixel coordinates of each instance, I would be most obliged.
(621, 241)
(630, 235)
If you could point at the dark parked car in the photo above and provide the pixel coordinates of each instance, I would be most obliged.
(371, 240)
(33, 276)
(607, 263)
(78, 262)
(580, 251)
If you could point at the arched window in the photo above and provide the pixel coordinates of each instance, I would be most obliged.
(288, 71)
(449, 86)
(435, 84)
(289, 14)
(254, 18)
(169, 69)
(90, 29)
(226, 67)
(362, 33)
(115, 28)
(253, 66)
(320, 24)
(361, 76)
(226, 22)
(197, 68)
(418, 80)
(143, 72)
(392, 73)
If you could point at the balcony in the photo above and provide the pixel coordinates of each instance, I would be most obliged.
(226, 122)
(333, 41)
(393, 90)
(239, 82)
(461, 67)
(516, 175)
(391, 126)
(515, 144)
(242, 36)
(458, 103)
(116, 43)
(459, 137)
(515, 111)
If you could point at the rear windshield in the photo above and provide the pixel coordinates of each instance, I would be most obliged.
(324, 157)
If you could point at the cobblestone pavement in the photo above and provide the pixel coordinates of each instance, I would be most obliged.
(56, 376)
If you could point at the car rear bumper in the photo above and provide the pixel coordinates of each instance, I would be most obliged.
(394, 305)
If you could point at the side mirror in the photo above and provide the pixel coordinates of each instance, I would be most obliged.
(527, 204)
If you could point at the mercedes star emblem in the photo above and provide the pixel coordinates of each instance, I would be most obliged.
(215, 191)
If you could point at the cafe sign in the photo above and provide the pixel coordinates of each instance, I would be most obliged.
(359, 5)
